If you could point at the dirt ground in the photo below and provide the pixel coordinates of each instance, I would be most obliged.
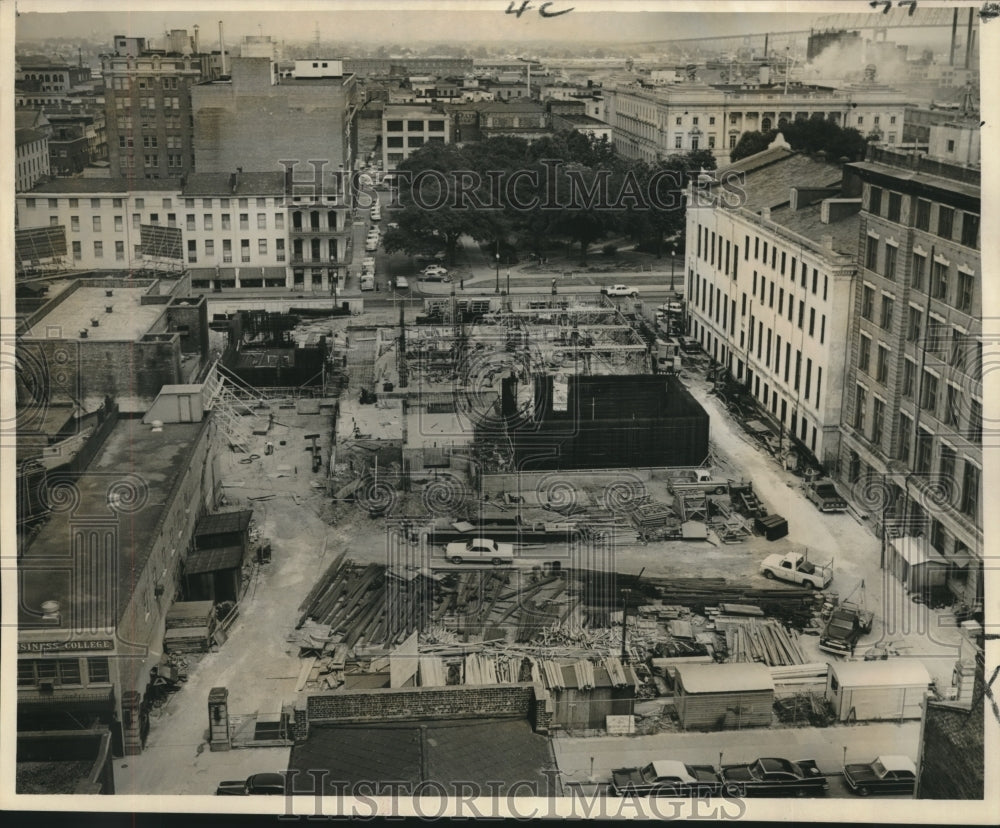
(306, 530)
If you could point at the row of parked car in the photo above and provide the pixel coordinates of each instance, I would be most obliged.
(765, 777)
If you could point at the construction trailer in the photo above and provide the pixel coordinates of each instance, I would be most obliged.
(723, 696)
(862, 691)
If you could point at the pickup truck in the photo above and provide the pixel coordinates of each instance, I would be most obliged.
(847, 624)
(254, 785)
(776, 777)
(826, 497)
(665, 777)
(797, 568)
(688, 480)
(480, 550)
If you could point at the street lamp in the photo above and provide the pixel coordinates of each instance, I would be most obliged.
(508, 283)
(673, 253)
(497, 288)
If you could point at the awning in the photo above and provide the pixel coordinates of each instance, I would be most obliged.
(68, 701)
(212, 272)
(224, 522)
(212, 560)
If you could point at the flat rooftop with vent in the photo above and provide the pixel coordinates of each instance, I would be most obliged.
(129, 316)
(117, 338)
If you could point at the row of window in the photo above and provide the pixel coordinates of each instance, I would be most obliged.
(227, 249)
(167, 202)
(950, 408)
(150, 142)
(919, 449)
(71, 672)
(763, 338)
(937, 282)
(412, 142)
(925, 215)
(789, 415)
(415, 126)
(209, 247)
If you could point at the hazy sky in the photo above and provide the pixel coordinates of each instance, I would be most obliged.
(399, 22)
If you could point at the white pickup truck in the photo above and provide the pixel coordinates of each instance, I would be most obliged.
(797, 568)
(697, 479)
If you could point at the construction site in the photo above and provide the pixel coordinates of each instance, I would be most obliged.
(515, 515)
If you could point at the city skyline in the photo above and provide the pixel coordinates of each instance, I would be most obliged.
(425, 24)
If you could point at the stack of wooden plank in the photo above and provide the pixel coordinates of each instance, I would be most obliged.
(651, 516)
(756, 639)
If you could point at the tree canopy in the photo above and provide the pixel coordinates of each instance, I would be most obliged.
(808, 135)
(567, 186)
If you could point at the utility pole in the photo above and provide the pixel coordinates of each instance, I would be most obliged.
(626, 593)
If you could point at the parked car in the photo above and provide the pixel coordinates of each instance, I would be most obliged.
(481, 550)
(402, 283)
(776, 777)
(665, 777)
(269, 784)
(826, 497)
(434, 278)
(620, 290)
(434, 270)
(888, 774)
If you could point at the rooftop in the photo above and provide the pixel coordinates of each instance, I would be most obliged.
(770, 176)
(129, 320)
(239, 184)
(106, 185)
(136, 468)
(723, 678)
(27, 136)
(899, 671)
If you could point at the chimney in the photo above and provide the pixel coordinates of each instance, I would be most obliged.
(222, 48)
(827, 242)
(196, 44)
(765, 213)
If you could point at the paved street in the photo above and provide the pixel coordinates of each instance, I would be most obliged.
(825, 745)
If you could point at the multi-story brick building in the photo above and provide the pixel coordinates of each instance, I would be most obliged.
(407, 127)
(769, 271)
(148, 109)
(31, 148)
(654, 122)
(913, 397)
(264, 121)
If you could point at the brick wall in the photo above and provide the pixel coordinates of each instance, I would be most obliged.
(952, 765)
(414, 703)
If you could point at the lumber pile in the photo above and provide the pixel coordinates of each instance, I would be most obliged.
(751, 638)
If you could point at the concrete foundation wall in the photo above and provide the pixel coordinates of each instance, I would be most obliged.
(414, 703)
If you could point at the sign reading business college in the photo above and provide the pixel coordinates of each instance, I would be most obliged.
(64, 646)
